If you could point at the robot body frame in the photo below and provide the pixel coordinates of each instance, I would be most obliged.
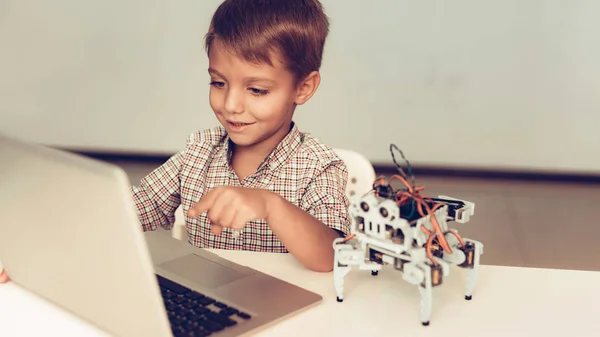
(420, 246)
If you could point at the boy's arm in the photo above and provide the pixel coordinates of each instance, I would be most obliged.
(308, 231)
(3, 275)
(157, 197)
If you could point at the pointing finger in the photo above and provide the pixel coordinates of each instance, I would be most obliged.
(228, 215)
(204, 204)
(218, 213)
(239, 221)
(216, 229)
(218, 208)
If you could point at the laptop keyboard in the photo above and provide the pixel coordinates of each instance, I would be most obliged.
(193, 314)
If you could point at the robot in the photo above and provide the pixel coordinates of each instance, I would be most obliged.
(402, 228)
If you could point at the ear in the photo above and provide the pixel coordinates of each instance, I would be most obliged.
(307, 87)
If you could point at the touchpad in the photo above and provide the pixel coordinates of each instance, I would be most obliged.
(203, 271)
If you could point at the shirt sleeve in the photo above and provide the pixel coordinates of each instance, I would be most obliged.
(158, 195)
(325, 197)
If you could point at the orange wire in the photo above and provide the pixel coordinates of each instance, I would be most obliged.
(348, 238)
(420, 203)
(406, 196)
(436, 225)
(409, 186)
(462, 243)
(428, 249)
(402, 197)
(425, 230)
(379, 181)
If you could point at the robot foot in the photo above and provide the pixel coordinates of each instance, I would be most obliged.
(468, 297)
(426, 323)
(340, 299)
(374, 272)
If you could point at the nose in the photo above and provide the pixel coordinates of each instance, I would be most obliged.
(234, 102)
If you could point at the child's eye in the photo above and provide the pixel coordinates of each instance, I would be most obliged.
(217, 84)
(258, 92)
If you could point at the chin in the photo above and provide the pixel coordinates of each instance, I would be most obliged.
(242, 140)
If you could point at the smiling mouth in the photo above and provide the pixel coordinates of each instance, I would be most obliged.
(239, 124)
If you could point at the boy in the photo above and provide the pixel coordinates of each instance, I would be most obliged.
(256, 182)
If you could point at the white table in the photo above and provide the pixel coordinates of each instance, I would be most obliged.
(507, 302)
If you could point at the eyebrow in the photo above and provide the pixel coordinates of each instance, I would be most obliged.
(248, 79)
(212, 71)
(260, 79)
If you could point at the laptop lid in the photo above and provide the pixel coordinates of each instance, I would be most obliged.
(69, 233)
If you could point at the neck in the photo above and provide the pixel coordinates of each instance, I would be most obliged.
(253, 155)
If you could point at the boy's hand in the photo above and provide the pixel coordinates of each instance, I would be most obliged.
(3, 277)
(232, 207)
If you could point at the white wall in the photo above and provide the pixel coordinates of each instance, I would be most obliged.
(511, 83)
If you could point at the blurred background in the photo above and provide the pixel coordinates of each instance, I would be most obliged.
(497, 102)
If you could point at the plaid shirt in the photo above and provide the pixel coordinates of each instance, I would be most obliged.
(302, 170)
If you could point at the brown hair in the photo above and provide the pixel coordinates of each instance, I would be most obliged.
(294, 30)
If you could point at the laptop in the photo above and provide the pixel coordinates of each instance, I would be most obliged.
(69, 233)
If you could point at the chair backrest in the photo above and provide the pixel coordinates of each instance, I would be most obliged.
(361, 173)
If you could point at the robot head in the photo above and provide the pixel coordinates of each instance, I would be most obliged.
(372, 215)
(379, 218)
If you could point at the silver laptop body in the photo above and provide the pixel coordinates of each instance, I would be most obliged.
(69, 233)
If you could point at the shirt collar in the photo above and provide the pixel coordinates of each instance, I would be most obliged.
(280, 154)
(287, 147)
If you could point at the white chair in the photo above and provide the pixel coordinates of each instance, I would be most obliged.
(179, 231)
(361, 173)
(361, 176)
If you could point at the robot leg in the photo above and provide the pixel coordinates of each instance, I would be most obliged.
(473, 267)
(426, 295)
(339, 272)
(345, 257)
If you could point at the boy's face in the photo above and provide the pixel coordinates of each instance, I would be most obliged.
(254, 103)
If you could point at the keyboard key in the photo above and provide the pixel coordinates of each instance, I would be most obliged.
(201, 310)
(195, 333)
(194, 295)
(190, 326)
(206, 301)
(202, 332)
(210, 325)
(195, 317)
(180, 300)
(194, 314)
(171, 307)
(221, 319)
(172, 286)
(178, 331)
(177, 321)
(190, 303)
(228, 311)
